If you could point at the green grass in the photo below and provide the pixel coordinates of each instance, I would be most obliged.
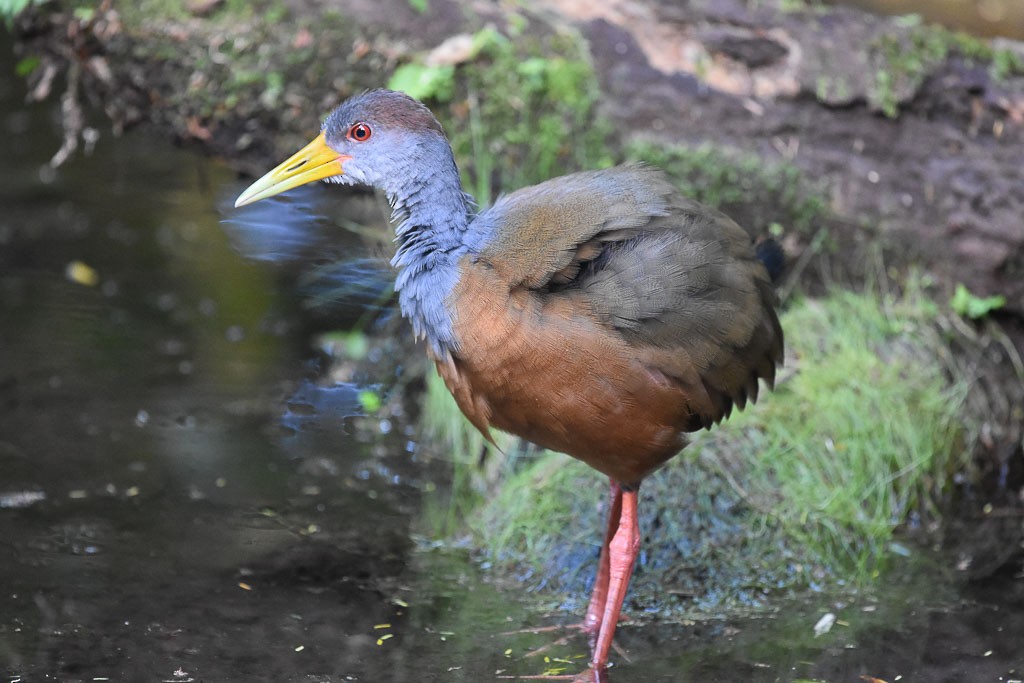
(808, 487)
(864, 435)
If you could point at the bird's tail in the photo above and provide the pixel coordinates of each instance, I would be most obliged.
(770, 253)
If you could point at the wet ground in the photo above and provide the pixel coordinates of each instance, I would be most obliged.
(185, 497)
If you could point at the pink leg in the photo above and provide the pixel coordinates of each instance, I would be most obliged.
(622, 552)
(595, 611)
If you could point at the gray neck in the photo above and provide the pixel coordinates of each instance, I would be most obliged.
(431, 213)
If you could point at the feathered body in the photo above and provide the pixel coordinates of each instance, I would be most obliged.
(600, 314)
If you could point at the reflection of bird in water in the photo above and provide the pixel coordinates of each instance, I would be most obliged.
(338, 265)
(599, 314)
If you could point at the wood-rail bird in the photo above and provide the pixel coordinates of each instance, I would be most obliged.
(600, 314)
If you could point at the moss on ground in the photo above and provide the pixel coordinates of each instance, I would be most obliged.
(903, 59)
(805, 489)
(864, 435)
(765, 197)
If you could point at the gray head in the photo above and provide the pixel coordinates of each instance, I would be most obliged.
(381, 138)
(390, 141)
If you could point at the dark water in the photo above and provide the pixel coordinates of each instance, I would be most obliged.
(184, 495)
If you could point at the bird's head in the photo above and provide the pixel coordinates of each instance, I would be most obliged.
(381, 138)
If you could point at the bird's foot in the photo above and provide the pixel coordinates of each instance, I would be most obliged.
(587, 626)
(592, 674)
(572, 630)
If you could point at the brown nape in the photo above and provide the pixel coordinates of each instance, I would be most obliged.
(397, 110)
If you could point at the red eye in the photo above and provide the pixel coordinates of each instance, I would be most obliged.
(359, 132)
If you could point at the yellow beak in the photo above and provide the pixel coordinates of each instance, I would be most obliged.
(313, 162)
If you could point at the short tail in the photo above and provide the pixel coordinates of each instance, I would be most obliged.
(770, 253)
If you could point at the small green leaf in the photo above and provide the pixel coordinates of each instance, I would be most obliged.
(419, 5)
(85, 14)
(970, 305)
(26, 66)
(370, 400)
(275, 14)
(488, 38)
(424, 82)
(356, 345)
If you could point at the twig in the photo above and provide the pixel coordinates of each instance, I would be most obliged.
(71, 116)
